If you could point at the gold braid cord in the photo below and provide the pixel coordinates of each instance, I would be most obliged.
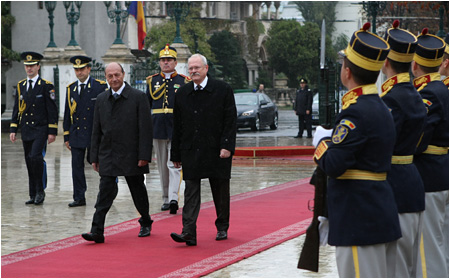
(161, 89)
(22, 104)
(72, 105)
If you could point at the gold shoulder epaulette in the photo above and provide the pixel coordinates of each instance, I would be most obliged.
(21, 81)
(101, 81)
(150, 77)
(70, 84)
(187, 79)
(47, 82)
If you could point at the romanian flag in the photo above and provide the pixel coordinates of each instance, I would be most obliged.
(136, 9)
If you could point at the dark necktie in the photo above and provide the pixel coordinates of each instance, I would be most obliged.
(199, 87)
(116, 96)
(82, 88)
(30, 86)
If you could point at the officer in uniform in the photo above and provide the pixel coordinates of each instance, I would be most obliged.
(431, 157)
(161, 89)
(443, 70)
(78, 117)
(356, 155)
(409, 113)
(36, 113)
(303, 109)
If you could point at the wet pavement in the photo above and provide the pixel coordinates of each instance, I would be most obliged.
(26, 226)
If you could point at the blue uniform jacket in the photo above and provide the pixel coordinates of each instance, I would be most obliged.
(161, 94)
(360, 211)
(409, 115)
(36, 113)
(434, 168)
(79, 112)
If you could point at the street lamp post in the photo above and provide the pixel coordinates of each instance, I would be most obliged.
(372, 8)
(178, 10)
(50, 7)
(72, 17)
(117, 15)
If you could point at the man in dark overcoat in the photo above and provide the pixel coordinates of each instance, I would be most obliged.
(303, 108)
(78, 117)
(121, 144)
(203, 142)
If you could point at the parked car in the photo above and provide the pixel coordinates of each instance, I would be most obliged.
(255, 111)
(315, 110)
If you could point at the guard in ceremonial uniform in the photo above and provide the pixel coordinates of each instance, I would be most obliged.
(36, 114)
(356, 155)
(409, 113)
(431, 157)
(443, 70)
(78, 117)
(161, 90)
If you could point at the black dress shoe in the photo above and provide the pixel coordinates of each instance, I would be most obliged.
(298, 137)
(98, 238)
(77, 203)
(184, 237)
(173, 207)
(165, 207)
(145, 231)
(309, 137)
(39, 199)
(30, 201)
(221, 235)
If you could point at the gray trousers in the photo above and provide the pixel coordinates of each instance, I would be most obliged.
(169, 176)
(432, 252)
(376, 261)
(407, 262)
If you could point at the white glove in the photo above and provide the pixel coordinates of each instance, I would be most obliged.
(323, 230)
(321, 133)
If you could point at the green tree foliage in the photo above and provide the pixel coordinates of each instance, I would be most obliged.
(227, 50)
(7, 21)
(192, 33)
(415, 15)
(294, 50)
(340, 43)
(316, 11)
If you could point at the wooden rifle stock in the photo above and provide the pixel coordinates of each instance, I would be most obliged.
(309, 256)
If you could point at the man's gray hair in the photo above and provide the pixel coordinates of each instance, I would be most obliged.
(205, 62)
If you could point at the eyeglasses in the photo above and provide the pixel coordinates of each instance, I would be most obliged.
(194, 68)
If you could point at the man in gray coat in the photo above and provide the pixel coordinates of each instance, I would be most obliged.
(121, 144)
(203, 142)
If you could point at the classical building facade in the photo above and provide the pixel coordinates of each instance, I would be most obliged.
(95, 33)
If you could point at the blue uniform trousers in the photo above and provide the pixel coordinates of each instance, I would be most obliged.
(34, 159)
(78, 176)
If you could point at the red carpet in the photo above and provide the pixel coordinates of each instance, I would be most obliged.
(259, 220)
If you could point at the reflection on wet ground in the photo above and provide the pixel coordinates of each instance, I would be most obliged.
(26, 226)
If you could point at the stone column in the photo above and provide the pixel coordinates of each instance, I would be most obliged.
(183, 53)
(120, 53)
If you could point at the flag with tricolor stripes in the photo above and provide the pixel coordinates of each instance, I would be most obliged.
(136, 9)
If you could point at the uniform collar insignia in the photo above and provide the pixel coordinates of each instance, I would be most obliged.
(388, 84)
(351, 96)
(423, 80)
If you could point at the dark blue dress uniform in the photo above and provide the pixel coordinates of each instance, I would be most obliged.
(431, 157)
(78, 119)
(362, 213)
(36, 114)
(161, 94)
(409, 115)
(361, 204)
